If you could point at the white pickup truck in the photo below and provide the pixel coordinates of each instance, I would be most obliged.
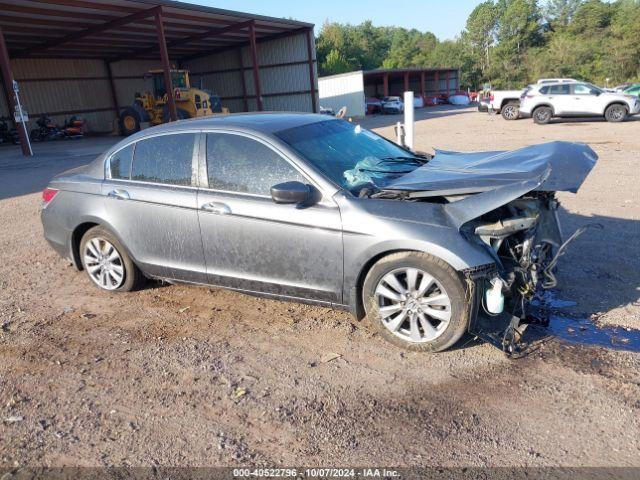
(505, 102)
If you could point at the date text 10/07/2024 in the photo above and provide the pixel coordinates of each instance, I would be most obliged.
(314, 473)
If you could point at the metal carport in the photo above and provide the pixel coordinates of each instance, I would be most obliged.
(130, 35)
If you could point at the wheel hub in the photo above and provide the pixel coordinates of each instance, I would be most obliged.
(413, 305)
(104, 264)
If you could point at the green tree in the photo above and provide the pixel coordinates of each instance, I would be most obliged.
(480, 32)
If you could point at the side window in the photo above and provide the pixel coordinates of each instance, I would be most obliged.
(164, 159)
(580, 89)
(239, 164)
(120, 163)
(560, 89)
(544, 90)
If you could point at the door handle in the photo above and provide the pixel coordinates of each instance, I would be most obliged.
(119, 194)
(216, 207)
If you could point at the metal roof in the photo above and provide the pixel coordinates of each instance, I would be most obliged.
(381, 71)
(122, 29)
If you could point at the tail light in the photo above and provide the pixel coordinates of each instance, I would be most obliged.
(48, 194)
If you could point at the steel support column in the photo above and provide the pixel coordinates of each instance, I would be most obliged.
(245, 100)
(166, 66)
(446, 81)
(406, 81)
(254, 61)
(7, 78)
(385, 85)
(436, 76)
(422, 83)
(312, 76)
(112, 87)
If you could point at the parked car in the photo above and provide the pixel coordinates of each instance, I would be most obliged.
(316, 209)
(505, 102)
(632, 90)
(392, 105)
(373, 105)
(543, 102)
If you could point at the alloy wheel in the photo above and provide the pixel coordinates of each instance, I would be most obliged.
(413, 305)
(104, 264)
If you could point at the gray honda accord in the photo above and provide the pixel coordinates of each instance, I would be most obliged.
(314, 209)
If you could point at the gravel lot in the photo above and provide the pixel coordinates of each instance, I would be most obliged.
(177, 375)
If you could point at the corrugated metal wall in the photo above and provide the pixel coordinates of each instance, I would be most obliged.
(48, 86)
(284, 75)
(345, 90)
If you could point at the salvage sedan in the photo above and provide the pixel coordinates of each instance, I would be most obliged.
(314, 209)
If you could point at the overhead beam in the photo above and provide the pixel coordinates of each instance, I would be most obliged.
(212, 32)
(93, 30)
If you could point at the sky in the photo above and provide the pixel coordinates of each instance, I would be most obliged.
(445, 18)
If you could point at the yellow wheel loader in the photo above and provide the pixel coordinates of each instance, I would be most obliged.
(153, 107)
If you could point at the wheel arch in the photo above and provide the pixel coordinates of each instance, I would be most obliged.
(545, 104)
(83, 227)
(617, 102)
(509, 100)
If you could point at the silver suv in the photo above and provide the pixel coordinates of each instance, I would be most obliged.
(575, 99)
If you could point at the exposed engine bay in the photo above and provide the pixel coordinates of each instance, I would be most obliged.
(505, 201)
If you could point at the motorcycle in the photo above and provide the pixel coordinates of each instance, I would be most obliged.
(74, 128)
(47, 130)
(8, 135)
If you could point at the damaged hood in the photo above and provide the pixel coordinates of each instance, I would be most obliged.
(554, 166)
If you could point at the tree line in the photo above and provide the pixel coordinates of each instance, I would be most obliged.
(506, 43)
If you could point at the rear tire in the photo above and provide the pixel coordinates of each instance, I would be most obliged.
(510, 111)
(129, 121)
(542, 115)
(616, 113)
(97, 246)
(448, 318)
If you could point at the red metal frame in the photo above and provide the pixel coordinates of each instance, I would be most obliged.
(166, 67)
(7, 78)
(254, 60)
(312, 82)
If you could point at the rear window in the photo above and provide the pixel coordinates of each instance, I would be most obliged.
(164, 159)
(120, 163)
(563, 89)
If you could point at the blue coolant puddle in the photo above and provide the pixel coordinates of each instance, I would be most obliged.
(582, 330)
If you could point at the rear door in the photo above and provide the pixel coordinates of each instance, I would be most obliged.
(561, 100)
(151, 201)
(252, 243)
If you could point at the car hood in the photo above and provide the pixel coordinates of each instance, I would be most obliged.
(477, 183)
(452, 173)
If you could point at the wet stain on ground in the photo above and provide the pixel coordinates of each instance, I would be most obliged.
(583, 331)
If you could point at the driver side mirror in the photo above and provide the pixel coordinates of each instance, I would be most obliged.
(290, 192)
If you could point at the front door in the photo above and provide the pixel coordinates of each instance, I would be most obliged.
(151, 202)
(250, 242)
(586, 99)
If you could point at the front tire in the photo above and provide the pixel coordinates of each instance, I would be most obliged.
(542, 115)
(417, 301)
(129, 121)
(511, 111)
(107, 263)
(616, 113)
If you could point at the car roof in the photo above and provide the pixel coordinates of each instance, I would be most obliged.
(261, 122)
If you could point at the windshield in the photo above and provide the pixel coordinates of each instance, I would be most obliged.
(349, 155)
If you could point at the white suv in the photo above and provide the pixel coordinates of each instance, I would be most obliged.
(575, 99)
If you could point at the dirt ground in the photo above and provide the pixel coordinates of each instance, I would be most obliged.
(178, 375)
